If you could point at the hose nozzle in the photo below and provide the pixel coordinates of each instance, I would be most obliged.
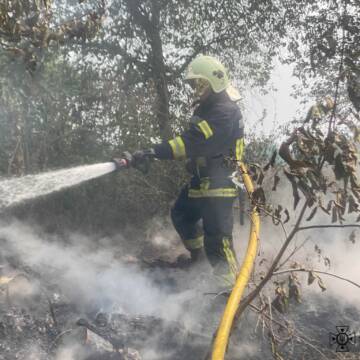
(124, 162)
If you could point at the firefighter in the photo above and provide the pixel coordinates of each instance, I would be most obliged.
(215, 133)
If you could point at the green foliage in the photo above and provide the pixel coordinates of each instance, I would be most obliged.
(27, 29)
(81, 97)
(81, 83)
(324, 43)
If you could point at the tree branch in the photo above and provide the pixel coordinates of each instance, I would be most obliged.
(297, 248)
(292, 331)
(327, 226)
(316, 271)
(203, 47)
(269, 274)
(140, 16)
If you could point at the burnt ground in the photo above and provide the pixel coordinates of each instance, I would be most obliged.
(40, 322)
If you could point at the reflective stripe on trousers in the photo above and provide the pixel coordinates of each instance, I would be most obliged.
(239, 149)
(193, 244)
(221, 192)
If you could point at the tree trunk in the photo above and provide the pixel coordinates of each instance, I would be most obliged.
(16, 164)
(151, 27)
(158, 66)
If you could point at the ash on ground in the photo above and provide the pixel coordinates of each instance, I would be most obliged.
(39, 322)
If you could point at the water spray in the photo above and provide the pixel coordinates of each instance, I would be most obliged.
(16, 190)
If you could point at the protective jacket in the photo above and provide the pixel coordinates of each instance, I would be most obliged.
(215, 133)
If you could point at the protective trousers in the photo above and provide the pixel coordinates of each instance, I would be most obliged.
(215, 235)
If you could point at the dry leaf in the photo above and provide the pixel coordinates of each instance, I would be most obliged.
(352, 236)
(276, 182)
(312, 214)
(321, 284)
(287, 218)
(311, 277)
(334, 217)
(271, 162)
(294, 288)
(327, 262)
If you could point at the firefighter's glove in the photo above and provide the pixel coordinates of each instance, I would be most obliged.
(141, 159)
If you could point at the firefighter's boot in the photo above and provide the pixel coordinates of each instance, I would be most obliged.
(196, 257)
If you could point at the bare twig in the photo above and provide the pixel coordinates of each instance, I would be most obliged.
(296, 249)
(52, 311)
(327, 226)
(292, 332)
(341, 65)
(316, 271)
(261, 312)
(269, 274)
(57, 339)
(266, 212)
(270, 317)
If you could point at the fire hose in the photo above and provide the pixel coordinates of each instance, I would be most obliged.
(224, 330)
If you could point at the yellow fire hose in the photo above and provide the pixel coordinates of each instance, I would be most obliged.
(223, 333)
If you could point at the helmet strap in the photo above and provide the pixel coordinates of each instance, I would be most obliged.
(202, 89)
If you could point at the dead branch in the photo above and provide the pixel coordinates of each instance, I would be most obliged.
(292, 331)
(296, 249)
(59, 336)
(316, 271)
(327, 226)
(269, 274)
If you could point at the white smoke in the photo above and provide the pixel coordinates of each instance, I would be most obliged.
(334, 244)
(91, 275)
(91, 271)
(95, 278)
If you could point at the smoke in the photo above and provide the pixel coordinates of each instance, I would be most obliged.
(34, 352)
(68, 353)
(323, 244)
(343, 255)
(90, 275)
(161, 242)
